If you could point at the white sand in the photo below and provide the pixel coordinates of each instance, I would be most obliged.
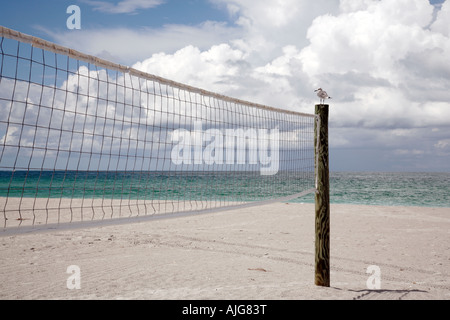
(254, 253)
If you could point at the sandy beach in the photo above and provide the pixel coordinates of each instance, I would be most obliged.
(256, 253)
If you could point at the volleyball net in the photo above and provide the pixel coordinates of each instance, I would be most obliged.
(84, 139)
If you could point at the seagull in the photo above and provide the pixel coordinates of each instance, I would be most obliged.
(322, 95)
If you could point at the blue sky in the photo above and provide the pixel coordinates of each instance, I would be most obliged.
(29, 16)
(384, 62)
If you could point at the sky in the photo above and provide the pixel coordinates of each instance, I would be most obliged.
(385, 62)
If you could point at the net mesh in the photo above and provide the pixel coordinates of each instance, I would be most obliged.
(82, 139)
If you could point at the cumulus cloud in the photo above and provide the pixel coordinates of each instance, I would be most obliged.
(392, 68)
(268, 25)
(198, 68)
(371, 40)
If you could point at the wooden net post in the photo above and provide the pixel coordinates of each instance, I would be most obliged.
(322, 198)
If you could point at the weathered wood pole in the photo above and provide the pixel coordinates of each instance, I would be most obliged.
(322, 197)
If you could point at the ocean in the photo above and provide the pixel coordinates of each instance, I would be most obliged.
(154, 185)
(389, 189)
(366, 188)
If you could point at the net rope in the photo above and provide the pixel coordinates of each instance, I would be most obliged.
(84, 139)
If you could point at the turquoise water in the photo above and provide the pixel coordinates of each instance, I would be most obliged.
(391, 189)
(208, 186)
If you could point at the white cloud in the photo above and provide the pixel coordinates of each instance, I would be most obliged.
(281, 65)
(269, 25)
(209, 69)
(392, 70)
(125, 6)
(442, 24)
(443, 144)
(371, 40)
